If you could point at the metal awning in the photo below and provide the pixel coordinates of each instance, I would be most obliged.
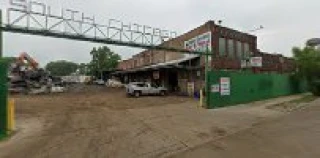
(166, 65)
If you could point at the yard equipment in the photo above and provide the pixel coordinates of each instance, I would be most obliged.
(26, 77)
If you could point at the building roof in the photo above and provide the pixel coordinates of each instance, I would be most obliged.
(169, 64)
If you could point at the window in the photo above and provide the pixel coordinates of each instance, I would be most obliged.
(140, 85)
(239, 50)
(231, 48)
(246, 50)
(222, 46)
(135, 63)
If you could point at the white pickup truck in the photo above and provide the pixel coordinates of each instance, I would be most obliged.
(143, 88)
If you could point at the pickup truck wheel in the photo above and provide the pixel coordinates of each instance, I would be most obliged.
(137, 94)
(163, 93)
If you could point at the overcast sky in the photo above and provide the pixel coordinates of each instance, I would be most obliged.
(287, 23)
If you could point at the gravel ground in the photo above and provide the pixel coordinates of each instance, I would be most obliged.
(99, 122)
(88, 121)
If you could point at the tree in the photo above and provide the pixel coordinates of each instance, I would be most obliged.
(61, 67)
(83, 69)
(308, 62)
(103, 59)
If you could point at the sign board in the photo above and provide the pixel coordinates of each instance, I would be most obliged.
(190, 88)
(40, 16)
(256, 61)
(215, 88)
(199, 73)
(199, 43)
(244, 64)
(225, 86)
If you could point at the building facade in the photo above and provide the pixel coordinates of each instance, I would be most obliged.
(229, 48)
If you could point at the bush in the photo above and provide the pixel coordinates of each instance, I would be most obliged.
(315, 87)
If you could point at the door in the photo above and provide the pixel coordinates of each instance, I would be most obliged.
(145, 89)
(173, 80)
(153, 89)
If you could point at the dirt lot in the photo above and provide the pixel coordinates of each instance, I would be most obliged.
(79, 123)
(100, 122)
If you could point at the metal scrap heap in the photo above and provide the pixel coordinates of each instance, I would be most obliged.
(27, 78)
(28, 81)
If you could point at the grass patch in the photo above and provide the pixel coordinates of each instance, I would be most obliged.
(2, 136)
(304, 99)
(294, 104)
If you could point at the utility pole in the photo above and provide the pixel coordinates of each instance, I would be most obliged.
(206, 77)
(3, 89)
(257, 29)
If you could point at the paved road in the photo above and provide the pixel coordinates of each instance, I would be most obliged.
(294, 136)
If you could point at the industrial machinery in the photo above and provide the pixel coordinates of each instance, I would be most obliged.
(26, 77)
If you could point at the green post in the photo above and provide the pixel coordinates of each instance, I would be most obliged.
(206, 78)
(1, 36)
(3, 88)
(3, 97)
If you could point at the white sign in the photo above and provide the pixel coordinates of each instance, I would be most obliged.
(190, 88)
(244, 64)
(199, 43)
(256, 61)
(215, 88)
(225, 86)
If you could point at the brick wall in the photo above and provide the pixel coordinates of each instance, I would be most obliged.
(289, 65)
(276, 63)
(123, 65)
(231, 60)
(149, 57)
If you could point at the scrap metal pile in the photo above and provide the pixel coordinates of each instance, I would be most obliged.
(27, 78)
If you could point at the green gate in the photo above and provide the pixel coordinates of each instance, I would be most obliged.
(244, 87)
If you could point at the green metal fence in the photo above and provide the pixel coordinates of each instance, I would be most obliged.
(246, 87)
(3, 97)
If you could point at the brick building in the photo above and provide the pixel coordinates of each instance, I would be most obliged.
(229, 49)
(228, 46)
(275, 63)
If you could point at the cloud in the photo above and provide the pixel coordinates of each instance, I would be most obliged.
(287, 23)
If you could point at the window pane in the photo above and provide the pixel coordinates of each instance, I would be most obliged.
(222, 46)
(246, 50)
(239, 49)
(231, 48)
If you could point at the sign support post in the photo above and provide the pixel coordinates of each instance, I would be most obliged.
(3, 88)
(1, 36)
(3, 111)
(206, 78)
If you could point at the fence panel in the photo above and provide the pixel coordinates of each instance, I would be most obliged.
(247, 87)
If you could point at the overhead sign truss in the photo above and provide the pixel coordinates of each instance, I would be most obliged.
(36, 18)
(33, 15)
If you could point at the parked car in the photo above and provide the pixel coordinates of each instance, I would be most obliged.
(99, 82)
(114, 83)
(138, 89)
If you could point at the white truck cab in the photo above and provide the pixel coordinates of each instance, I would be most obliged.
(144, 88)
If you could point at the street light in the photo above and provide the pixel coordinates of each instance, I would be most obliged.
(257, 29)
